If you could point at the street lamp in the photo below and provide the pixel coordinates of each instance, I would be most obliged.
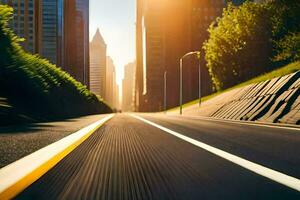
(165, 91)
(199, 74)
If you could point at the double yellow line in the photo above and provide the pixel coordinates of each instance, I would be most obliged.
(17, 176)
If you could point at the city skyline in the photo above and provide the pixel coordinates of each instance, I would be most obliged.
(116, 22)
(98, 49)
(149, 99)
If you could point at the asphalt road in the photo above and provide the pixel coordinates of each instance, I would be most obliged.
(19, 141)
(129, 159)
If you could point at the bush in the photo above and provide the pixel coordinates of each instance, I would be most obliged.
(36, 86)
(285, 19)
(245, 40)
(239, 45)
(288, 48)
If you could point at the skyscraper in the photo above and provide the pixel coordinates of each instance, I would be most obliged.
(128, 87)
(24, 22)
(165, 31)
(51, 24)
(139, 77)
(150, 54)
(117, 98)
(76, 39)
(98, 65)
(111, 83)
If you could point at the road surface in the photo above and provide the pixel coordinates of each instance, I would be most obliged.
(130, 159)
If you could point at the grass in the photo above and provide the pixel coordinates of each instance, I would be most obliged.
(282, 71)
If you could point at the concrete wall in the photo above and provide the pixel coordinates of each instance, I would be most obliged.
(275, 101)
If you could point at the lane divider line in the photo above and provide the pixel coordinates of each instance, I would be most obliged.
(16, 177)
(276, 176)
(248, 123)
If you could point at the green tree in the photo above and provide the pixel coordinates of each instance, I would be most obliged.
(239, 44)
(285, 19)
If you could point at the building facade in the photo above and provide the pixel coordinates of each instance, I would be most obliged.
(98, 65)
(111, 84)
(165, 31)
(50, 22)
(24, 22)
(57, 30)
(149, 55)
(76, 39)
(128, 87)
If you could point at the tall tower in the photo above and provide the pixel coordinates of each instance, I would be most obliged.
(98, 65)
(51, 26)
(76, 39)
(24, 22)
(139, 79)
(150, 51)
(110, 82)
(40, 23)
(128, 87)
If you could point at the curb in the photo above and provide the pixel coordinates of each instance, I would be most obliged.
(257, 123)
(19, 175)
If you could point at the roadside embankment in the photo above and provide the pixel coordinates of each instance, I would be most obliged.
(276, 101)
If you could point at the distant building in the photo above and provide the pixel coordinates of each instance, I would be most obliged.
(128, 87)
(150, 41)
(40, 23)
(162, 38)
(76, 28)
(98, 65)
(111, 84)
(24, 22)
(117, 97)
(58, 30)
(50, 20)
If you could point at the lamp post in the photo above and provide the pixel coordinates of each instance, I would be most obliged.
(165, 91)
(199, 79)
(199, 74)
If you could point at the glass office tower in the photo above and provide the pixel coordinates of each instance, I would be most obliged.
(52, 30)
(24, 22)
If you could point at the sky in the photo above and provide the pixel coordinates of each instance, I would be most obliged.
(116, 21)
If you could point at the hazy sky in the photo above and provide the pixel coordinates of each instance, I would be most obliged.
(116, 21)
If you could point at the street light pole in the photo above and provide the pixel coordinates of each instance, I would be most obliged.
(165, 91)
(180, 98)
(199, 83)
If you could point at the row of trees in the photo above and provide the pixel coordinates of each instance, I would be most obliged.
(35, 86)
(252, 39)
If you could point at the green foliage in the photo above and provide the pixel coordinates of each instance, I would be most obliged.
(239, 44)
(288, 48)
(252, 39)
(36, 86)
(285, 18)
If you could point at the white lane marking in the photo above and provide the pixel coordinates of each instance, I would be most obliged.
(276, 176)
(229, 121)
(243, 123)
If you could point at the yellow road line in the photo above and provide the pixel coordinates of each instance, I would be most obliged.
(17, 176)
